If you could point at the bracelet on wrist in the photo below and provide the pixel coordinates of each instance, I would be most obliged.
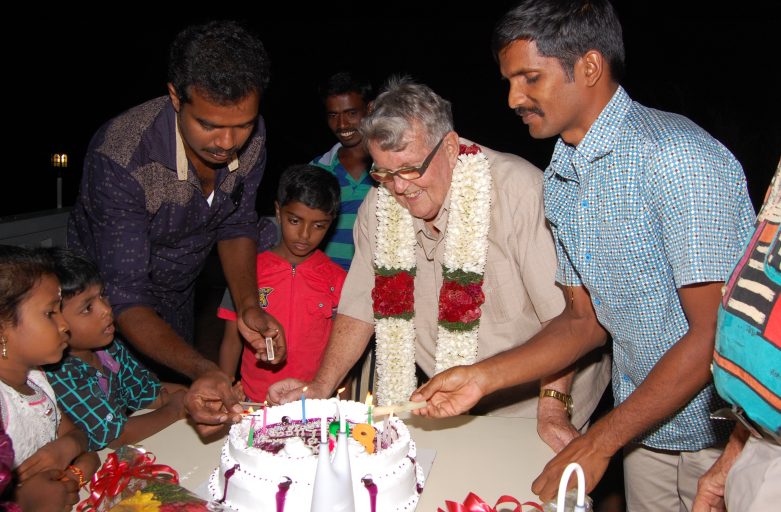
(564, 398)
(79, 474)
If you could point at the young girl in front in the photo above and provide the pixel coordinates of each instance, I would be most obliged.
(33, 333)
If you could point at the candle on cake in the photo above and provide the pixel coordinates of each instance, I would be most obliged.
(342, 421)
(303, 404)
(369, 408)
(251, 437)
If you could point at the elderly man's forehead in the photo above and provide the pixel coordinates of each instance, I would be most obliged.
(416, 133)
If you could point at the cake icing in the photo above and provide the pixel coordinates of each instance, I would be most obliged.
(277, 472)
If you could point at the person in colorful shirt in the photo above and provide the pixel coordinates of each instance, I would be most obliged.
(421, 161)
(746, 361)
(649, 214)
(297, 284)
(99, 382)
(347, 99)
(166, 181)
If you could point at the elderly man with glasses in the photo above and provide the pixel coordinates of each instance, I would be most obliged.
(454, 262)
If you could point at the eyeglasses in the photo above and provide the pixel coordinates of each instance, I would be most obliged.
(405, 173)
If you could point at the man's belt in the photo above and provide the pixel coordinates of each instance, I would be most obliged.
(735, 413)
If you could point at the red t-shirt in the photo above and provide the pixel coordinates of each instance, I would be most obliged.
(303, 298)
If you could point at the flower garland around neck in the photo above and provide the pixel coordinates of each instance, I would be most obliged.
(463, 266)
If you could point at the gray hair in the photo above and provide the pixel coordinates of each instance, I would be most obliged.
(402, 104)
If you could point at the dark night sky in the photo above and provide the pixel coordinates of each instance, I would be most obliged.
(700, 63)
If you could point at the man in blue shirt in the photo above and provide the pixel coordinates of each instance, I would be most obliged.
(347, 99)
(649, 214)
(165, 181)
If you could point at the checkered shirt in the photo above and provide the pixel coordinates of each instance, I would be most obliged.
(648, 202)
(102, 415)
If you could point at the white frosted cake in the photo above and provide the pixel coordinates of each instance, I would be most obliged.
(275, 469)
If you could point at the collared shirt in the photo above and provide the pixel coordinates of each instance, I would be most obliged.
(340, 246)
(100, 401)
(648, 202)
(148, 231)
(519, 286)
(303, 299)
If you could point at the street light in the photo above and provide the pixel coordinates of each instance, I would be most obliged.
(59, 161)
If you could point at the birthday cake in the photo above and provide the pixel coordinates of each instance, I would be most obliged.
(272, 463)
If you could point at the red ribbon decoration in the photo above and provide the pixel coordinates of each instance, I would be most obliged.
(473, 503)
(115, 475)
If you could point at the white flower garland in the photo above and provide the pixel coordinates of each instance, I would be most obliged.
(395, 250)
(466, 247)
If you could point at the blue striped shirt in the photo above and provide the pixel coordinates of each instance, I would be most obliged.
(340, 246)
(648, 202)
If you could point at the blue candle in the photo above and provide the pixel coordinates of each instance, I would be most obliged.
(303, 405)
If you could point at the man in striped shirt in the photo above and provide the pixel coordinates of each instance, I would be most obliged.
(347, 99)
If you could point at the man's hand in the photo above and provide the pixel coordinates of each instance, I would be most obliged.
(451, 392)
(710, 491)
(710, 488)
(289, 390)
(48, 491)
(553, 425)
(256, 325)
(211, 400)
(586, 451)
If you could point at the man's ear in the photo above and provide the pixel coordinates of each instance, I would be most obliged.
(175, 101)
(452, 147)
(370, 107)
(592, 67)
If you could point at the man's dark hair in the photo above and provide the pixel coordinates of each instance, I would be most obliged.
(313, 186)
(21, 270)
(566, 30)
(220, 58)
(346, 82)
(75, 273)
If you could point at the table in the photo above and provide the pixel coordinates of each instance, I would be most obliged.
(488, 455)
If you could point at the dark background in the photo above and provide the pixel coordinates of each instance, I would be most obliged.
(71, 71)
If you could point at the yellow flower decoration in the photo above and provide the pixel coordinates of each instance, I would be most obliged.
(139, 502)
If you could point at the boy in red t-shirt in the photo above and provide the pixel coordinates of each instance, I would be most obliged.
(297, 284)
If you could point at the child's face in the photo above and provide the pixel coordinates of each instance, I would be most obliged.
(90, 318)
(303, 229)
(41, 334)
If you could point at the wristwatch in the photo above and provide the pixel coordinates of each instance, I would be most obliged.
(561, 397)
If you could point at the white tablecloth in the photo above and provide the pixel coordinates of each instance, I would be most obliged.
(487, 455)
